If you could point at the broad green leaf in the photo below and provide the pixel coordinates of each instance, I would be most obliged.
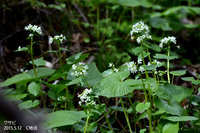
(143, 130)
(171, 108)
(63, 118)
(173, 92)
(74, 59)
(16, 97)
(162, 56)
(55, 88)
(180, 118)
(39, 62)
(29, 104)
(170, 128)
(114, 85)
(16, 79)
(142, 106)
(196, 82)
(93, 76)
(75, 81)
(132, 3)
(41, 72)
(34, 88)
(178, 73)
(160, 23)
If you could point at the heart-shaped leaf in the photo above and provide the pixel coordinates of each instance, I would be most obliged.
(142, 106)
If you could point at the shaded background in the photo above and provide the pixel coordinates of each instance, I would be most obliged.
(99, 27)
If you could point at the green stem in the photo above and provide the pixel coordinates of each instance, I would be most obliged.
(34, 69)
(168, 54)
(149, 111)
(126, 116)
(86, 124)
(32, 58)
(134, 114)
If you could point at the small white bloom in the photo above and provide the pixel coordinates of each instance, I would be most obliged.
(31, 35)
(111, 65)
(50, 40)
(79, 70)
(148, 64)
(55, 82)
(132, 67)
(33, 29)
(85, 97)
(141, 69)
(116, 70)
(61, 98)
(139, 61)
(166, 40)
(60, 38)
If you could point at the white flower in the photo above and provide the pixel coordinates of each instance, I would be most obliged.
(60, 38)
(61, 98)
(166, 40)
(111, 65)
(139, 27)
(139, 61)
(33, 29)
(31, 35)
(141, 69)
(86, 97)
(19, 48)
(148, 64)
(79, 70)
(55, 82)
(115, 70)
(50, 40)
(132, 67)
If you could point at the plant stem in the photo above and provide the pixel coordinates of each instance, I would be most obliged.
(86, 124)
(32, 58)
(34, 69)
(168, 54)
(127, 120)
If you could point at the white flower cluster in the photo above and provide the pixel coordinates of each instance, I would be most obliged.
(59, 38)
(34, 29)
(61, 98)
(167, 40)
(141, 38)
(85, 98)
(79, 70)
(132, 67)
(111, 65)
(140, 27)
(155, 62)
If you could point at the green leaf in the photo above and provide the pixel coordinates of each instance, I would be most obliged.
(142, 106)
(162, 56)
(63, 118)
(41, 72)
(55, 88)
(29, 104)
(143, 130)
(132, 3)
(160, 23)
(21, 49)
(170, 128)
(180, 118)
(196, 82)
(173, 92)
(178, 73)
(16, 97)
(16, 79)
(114, 85)
(94, 76)
(39, 62)
(171, 108)
(74, 59)
(75, 81)
(34, 88)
